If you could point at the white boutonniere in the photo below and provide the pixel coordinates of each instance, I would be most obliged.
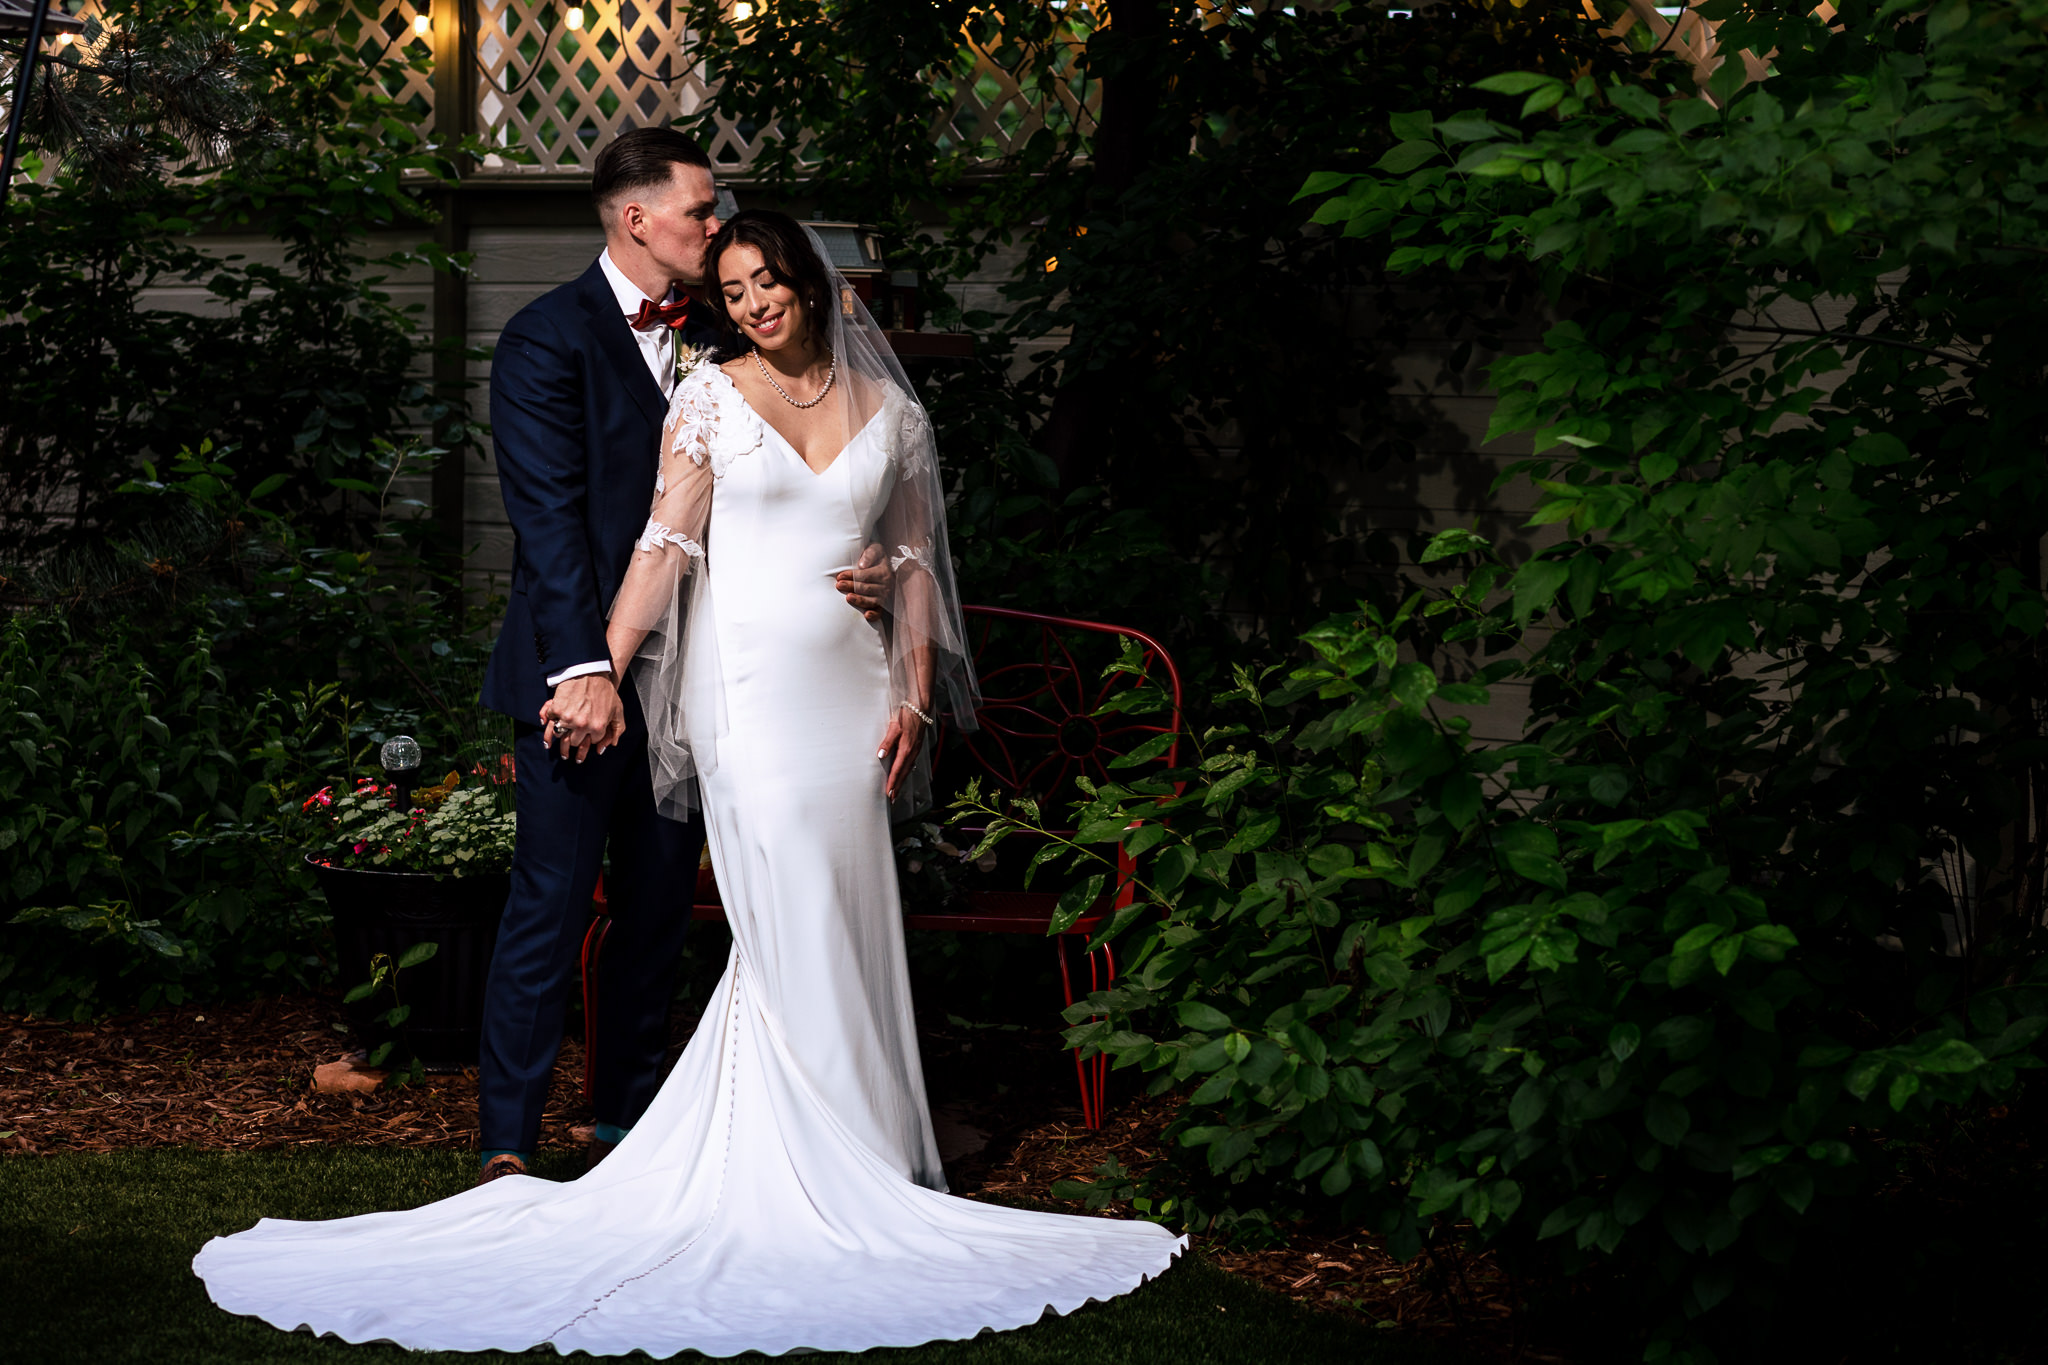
(689, 358)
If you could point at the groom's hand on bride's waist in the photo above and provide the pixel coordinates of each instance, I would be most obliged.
(585, 716)
(867, 585)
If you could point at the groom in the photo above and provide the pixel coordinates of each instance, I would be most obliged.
(579, 389)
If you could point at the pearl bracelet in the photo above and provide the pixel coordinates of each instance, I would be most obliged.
(911, 707)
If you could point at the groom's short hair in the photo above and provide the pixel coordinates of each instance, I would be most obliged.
(638, 159)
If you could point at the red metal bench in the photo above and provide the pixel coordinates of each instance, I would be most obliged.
(1041, 725)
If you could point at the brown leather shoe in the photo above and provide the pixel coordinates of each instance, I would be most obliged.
(505, 1163)
(597, 1151)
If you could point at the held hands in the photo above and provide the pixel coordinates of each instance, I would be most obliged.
(868, 584)
(899, 747)
(583, 716)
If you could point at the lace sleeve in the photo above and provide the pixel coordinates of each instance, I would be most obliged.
(912, 450)
(709, 423)
(656, 535)
(692, 420)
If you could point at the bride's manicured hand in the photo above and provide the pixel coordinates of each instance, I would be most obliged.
(584, 716)
(899, 747)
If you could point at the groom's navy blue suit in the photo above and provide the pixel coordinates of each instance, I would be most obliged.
(576, 418)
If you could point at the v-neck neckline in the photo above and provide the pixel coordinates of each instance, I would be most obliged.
(790, 445)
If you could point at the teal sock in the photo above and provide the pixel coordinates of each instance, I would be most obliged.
(610, 1132)
(484, 1157)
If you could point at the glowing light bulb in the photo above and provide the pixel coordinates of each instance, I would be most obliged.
(575, 18)
(421, 23)
(1052, 263)
(63, 40)
(742, 12)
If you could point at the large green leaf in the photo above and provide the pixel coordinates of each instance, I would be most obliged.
(1406, 156)
(1075, 902)
(1515, 82)
(1667, 1120)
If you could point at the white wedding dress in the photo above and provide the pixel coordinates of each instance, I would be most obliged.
(783, 1192)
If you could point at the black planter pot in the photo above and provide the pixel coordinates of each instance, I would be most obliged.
(389, 912)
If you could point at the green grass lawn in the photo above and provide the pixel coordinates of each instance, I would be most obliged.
(96, 1250)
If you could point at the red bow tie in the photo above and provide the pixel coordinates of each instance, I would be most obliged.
(652, 314)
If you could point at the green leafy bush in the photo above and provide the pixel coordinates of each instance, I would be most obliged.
(155, 826)
(384, 620)
(172, 119)
(1535, 987)
(125, 762)
(1760, 885)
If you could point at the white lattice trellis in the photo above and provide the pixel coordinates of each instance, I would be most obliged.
(560, 93)
(397, 52)
(989, 114)
(557, 93)
(389, 42)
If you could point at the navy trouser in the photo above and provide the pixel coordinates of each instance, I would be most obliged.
(568, 813)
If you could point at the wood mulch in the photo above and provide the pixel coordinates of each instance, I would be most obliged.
(239, 1077)
(229, 1077)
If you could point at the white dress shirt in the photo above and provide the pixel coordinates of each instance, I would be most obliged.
(658, 349)
(657, 344)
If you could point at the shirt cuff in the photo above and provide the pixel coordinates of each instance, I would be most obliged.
(579, 671)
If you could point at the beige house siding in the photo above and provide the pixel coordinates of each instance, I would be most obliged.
(512, 267)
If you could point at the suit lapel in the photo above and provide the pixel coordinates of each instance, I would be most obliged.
(615, 342)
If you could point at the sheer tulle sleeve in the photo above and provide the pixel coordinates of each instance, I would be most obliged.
(662, 589)
(929, 664)
(670, 546)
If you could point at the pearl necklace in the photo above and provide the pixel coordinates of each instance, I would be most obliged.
(831, 373)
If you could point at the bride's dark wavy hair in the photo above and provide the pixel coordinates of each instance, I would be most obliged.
(790, 258)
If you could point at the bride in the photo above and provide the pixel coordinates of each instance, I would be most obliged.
(784, 1190)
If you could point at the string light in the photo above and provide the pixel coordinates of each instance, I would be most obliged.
(574, 19)
(421, 23)
(742, 11)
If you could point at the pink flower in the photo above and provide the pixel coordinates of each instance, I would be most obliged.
(323, 797)
(359, 848)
